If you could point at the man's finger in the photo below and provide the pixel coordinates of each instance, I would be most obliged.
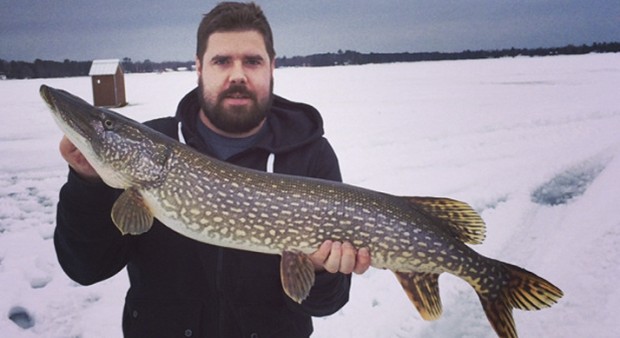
(362, 262)
(319, 257)
(347, 261)
(332, 264)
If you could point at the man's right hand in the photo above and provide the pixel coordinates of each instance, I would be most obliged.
(77, 161)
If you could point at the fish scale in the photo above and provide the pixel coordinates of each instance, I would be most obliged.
(214, 202)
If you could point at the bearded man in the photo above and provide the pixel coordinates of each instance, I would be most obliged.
(183, 288)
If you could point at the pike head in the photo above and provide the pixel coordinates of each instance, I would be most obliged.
(123, 152)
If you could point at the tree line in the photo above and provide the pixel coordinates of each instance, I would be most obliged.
(67, 68)
(356, 58)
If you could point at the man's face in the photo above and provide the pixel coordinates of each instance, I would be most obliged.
(235, 79)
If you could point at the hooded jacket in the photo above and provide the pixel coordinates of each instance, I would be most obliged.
(184, 288)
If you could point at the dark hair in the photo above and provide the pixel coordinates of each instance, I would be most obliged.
(234, 16)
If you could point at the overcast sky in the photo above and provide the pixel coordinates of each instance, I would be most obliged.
(162, 30)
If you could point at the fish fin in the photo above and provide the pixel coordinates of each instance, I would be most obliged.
(423, 291)
(297, 275)
(523, 290)
(130, 214)
(499, 315)
(527, 291)
(459, 217)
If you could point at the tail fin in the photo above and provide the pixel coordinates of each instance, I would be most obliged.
(523, 290)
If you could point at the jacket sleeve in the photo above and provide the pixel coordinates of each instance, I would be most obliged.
(331, 290)
(88, 245)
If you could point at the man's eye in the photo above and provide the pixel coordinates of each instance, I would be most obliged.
(221, 61)
(254, 62)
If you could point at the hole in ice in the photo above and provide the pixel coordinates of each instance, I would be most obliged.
(568, 184)
(21, 317)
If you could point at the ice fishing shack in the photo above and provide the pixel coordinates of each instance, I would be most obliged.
(108, 83)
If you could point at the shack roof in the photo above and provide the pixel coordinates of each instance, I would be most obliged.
(104, 67)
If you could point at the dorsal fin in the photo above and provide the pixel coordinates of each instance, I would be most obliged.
(458, 217)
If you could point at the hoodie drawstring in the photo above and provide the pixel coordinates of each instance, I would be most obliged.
(181, 137)
(270, 162)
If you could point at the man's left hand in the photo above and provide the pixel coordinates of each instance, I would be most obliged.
(334, 256)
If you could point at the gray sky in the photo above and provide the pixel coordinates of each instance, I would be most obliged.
(164, 30)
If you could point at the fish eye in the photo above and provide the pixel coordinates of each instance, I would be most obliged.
(108, 124)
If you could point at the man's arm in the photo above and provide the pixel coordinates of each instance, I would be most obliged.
(88, 245)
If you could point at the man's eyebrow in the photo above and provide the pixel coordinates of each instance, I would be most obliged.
(247, 56)
(220, 57)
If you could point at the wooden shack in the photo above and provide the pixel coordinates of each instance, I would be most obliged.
(108, 83)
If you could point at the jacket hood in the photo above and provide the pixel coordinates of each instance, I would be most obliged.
(291, 124)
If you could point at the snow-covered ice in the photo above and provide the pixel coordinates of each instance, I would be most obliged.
(532, 143)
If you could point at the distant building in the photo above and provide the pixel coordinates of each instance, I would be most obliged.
(108, 83)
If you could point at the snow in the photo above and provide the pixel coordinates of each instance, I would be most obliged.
(533, 144)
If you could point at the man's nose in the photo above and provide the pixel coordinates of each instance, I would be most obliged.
(237, 73)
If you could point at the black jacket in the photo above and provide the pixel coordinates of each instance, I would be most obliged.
(183, 288)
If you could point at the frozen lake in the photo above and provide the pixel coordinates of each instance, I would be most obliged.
(532, 143)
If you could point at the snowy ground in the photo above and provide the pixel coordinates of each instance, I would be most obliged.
(531, 143)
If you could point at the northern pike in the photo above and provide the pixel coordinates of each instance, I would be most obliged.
(214, 202)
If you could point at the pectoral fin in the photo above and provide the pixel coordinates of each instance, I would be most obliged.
(423, 291)
(130, 214)
(297, 274)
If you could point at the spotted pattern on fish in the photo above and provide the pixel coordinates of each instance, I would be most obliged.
(418, 238)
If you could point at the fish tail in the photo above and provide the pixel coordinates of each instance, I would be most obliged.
(521, 290)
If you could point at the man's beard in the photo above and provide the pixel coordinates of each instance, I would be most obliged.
(236, 119)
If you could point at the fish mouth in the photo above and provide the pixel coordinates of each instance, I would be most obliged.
(73, 115)
(46, 94)
(50, 96)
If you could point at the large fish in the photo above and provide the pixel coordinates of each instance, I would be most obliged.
(417, 238)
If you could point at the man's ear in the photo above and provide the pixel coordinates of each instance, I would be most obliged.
(198, 66)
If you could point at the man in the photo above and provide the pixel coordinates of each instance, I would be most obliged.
(180, 287)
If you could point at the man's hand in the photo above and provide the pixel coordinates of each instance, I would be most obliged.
(340, 257)
(77, 161)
